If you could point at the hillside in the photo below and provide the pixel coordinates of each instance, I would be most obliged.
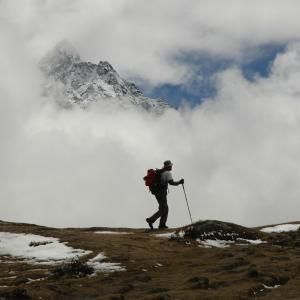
(209, 260)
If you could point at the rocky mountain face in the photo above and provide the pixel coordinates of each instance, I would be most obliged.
(80, 82)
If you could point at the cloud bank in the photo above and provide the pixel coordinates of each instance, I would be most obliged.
(143, 39)
(238, 152)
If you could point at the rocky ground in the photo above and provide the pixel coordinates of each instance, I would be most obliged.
(158, 267)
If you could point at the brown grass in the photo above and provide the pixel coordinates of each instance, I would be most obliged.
(159, 268)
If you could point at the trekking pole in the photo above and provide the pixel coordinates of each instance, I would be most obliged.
(187, 203)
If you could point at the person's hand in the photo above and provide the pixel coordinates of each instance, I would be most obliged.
(181, 181)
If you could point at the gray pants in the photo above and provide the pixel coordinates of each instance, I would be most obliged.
(163, 208)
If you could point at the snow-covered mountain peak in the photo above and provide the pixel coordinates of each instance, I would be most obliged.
(104, 67)
(84, 82)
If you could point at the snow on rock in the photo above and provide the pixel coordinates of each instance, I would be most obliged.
(214, 243)
(100, 266)
(253, 242)
(36, 249)
(226, 243)
(82, 83)
(35, 280)
(281, 228)
(271, 287)
(217, 234)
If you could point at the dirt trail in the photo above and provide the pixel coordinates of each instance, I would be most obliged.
(159, 268)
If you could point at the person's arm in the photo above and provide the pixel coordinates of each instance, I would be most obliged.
(172, 182)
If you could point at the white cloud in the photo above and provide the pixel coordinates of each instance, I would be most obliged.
(142, 38)
(239, 152)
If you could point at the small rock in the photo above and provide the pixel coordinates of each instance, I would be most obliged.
(199, 283)
(253, 273)
(126, 289)
(218, 284)
(143, 277)
(276, 280)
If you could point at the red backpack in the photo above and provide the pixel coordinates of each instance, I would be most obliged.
(152, 180)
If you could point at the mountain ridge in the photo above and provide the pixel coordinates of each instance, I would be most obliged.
(83, 83)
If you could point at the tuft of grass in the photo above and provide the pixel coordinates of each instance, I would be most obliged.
(36, 244)
(73, 268)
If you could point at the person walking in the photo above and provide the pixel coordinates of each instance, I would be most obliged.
(161, 195)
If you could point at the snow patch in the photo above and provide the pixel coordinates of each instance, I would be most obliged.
(100, 266)
(35, 280)
(214, 243)
(253, 242)
(10, 277)
(215, 238)
(113, 232)
(281, 228)
(49, 250)
(271, 287)
(165, 235)
(157, 265)
(226, 243)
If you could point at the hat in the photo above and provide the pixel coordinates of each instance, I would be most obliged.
(168, 163)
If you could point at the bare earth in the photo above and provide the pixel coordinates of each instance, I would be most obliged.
(158, 268)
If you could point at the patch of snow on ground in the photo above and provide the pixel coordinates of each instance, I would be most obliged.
(113, 232)
(10, 277)
(164, 235)
(35, 280)
(281, 228)
(214, 243)
(271, 287)
(100, 266)
(253, 242)
(224, 243)
(181, 234)
(17, 245)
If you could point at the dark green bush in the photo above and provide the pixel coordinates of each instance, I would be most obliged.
(73, 268)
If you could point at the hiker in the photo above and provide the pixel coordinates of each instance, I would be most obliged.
(161, 195)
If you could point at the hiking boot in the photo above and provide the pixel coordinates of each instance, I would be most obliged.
(163, 227)
(149, 223)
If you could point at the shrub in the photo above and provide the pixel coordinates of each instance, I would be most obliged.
(73, 268)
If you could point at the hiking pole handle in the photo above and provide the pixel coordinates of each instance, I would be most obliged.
(187, 203)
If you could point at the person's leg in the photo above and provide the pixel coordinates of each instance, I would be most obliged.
(164, 210)
(164, 217)
(154, 217)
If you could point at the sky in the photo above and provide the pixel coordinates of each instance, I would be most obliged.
(230, 68)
